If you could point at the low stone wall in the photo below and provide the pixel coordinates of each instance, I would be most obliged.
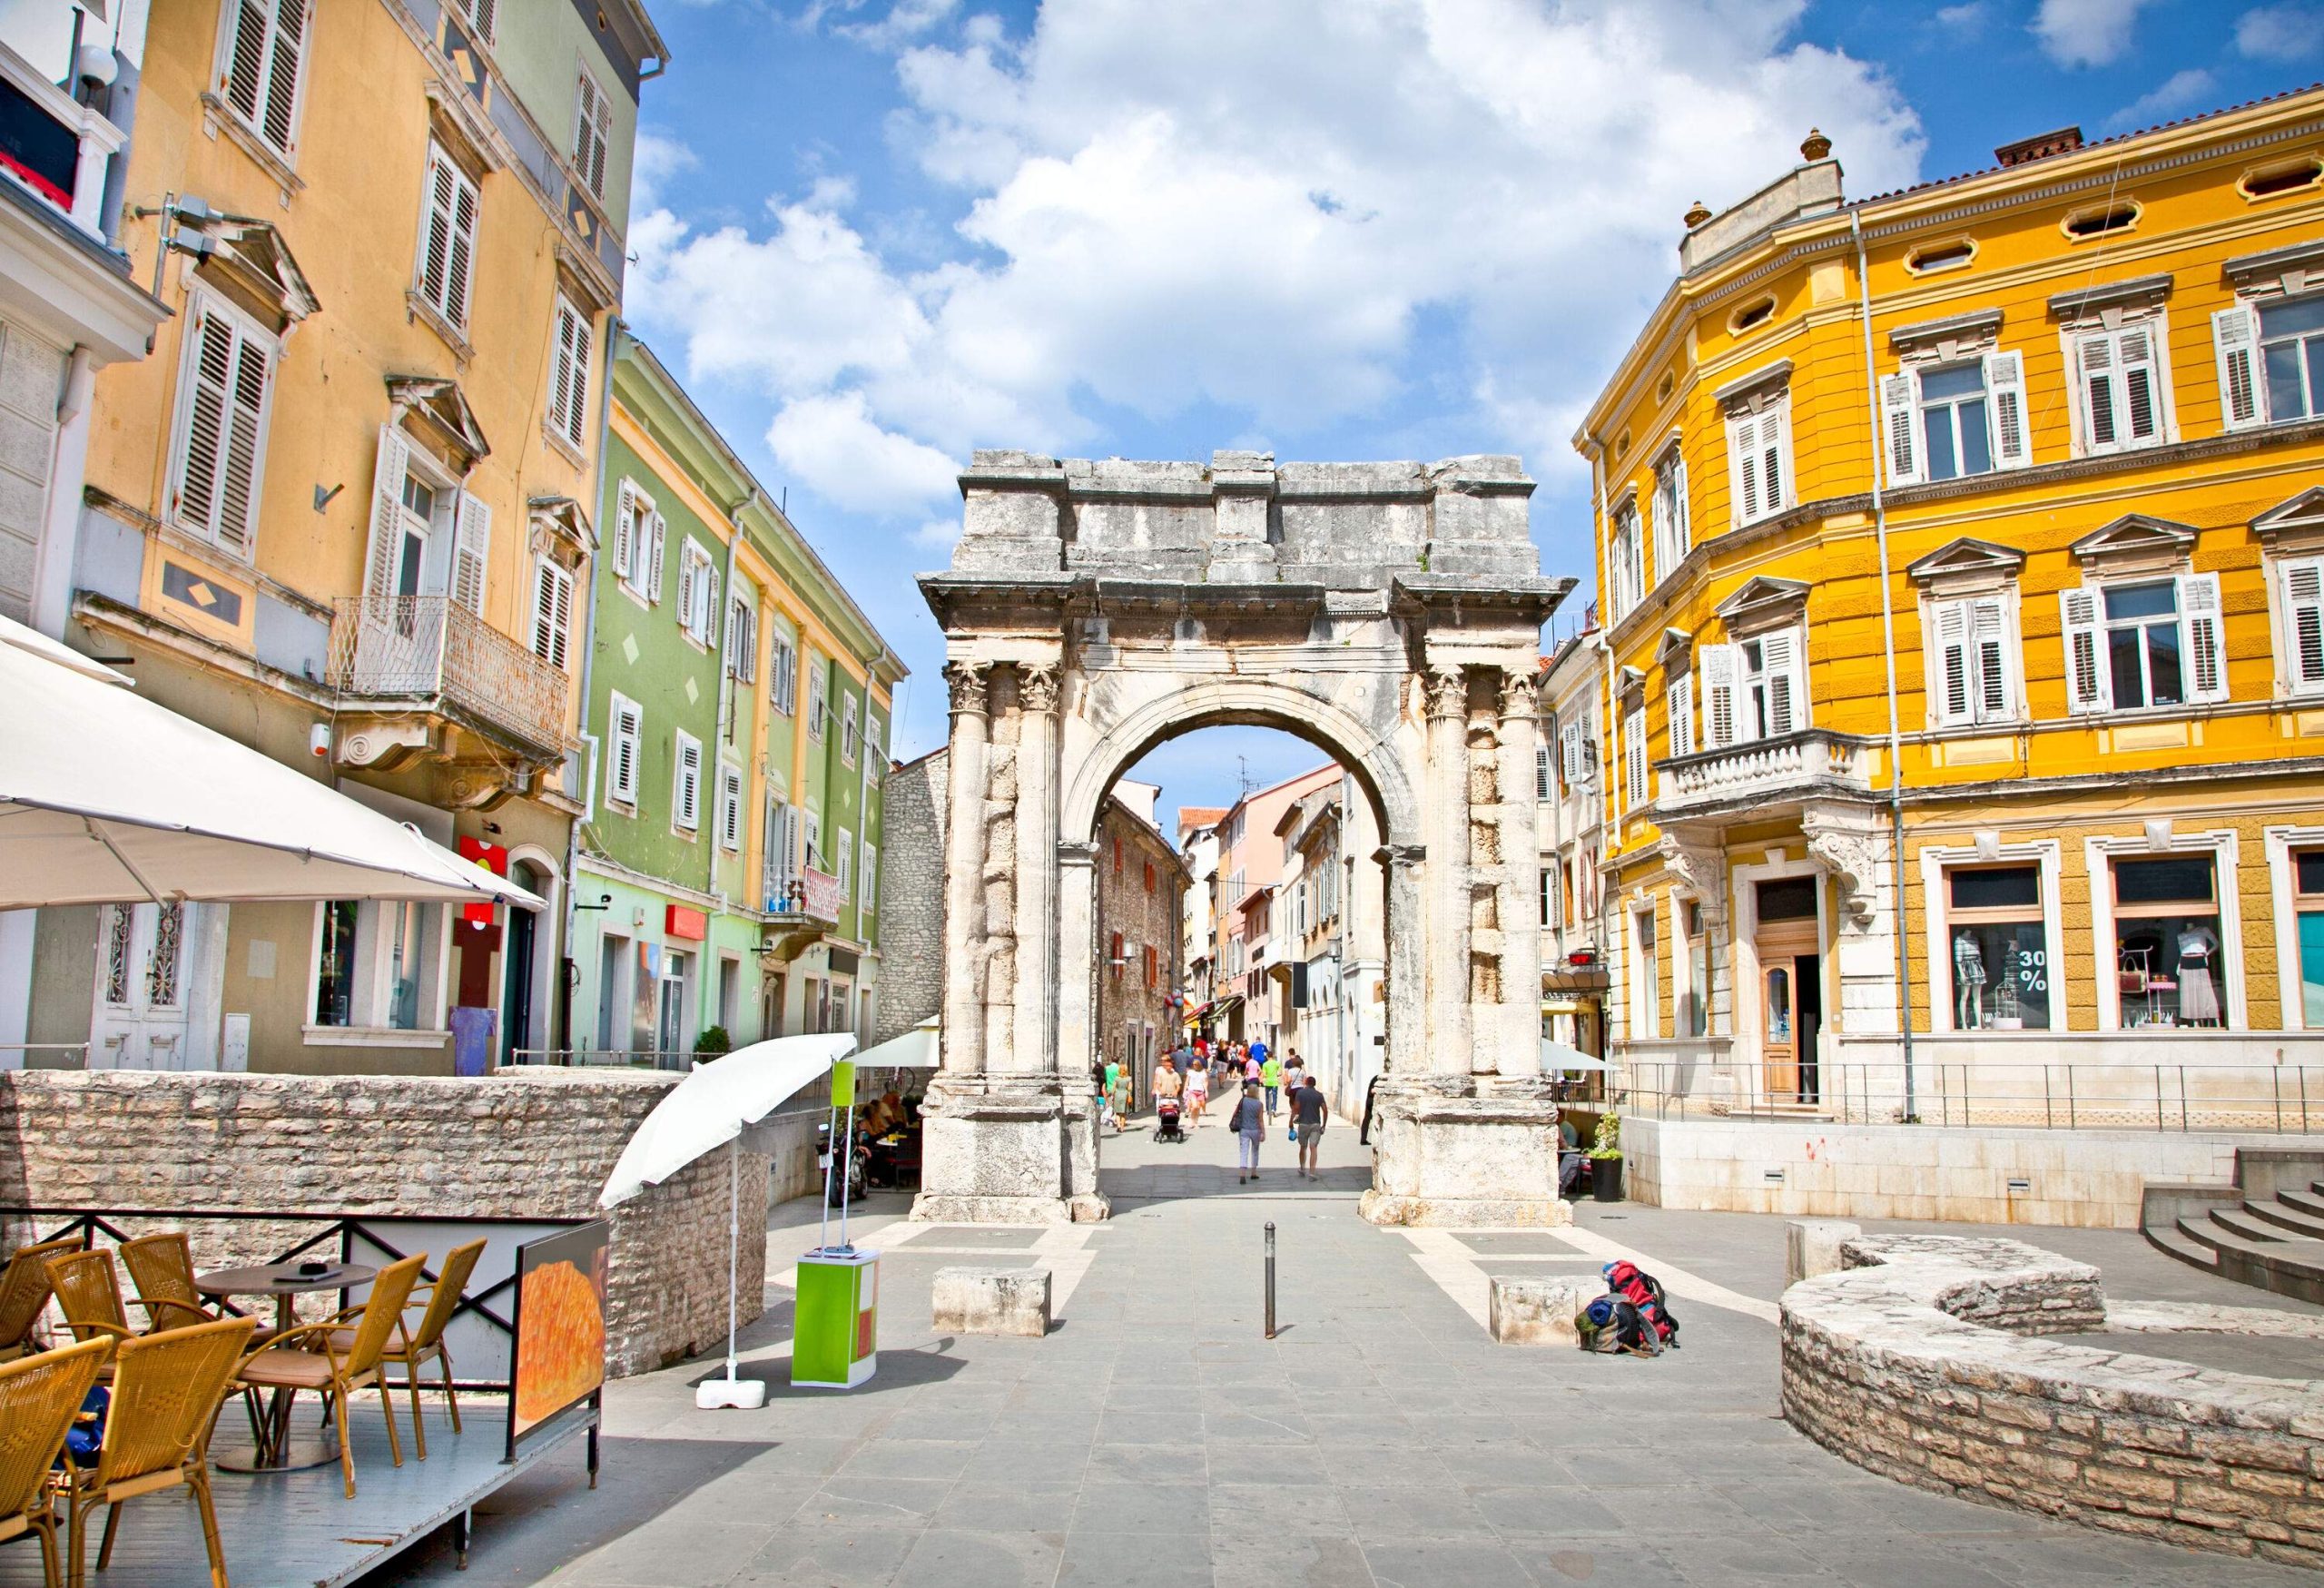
(1921, 1361)
(521, 1144)
(1816, 1170)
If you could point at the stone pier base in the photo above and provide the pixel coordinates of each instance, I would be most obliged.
(1008, 1149)
(1462, 1151)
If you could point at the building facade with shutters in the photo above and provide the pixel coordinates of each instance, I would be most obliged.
(738, 715)
(343, 510)
(1141, 900)
(1959, 700)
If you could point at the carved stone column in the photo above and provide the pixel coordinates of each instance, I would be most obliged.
(1521, 860)
(1407, 1007)
(1698, 864)
(1076, 933)
(1446, 812)
(1035, 1046)
(1852, 840)
(963, 1052)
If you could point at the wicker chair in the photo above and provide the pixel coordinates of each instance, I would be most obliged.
(24, 1290)
(427, 1342)
(310, 1357)
(162, 1268)
(39, 1397)
(88, 1292)
(166, 1389)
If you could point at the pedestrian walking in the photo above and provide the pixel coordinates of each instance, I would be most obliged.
(1309, 1115)
(1110, 1092)
(1271, 1080)
(1295, 1071)
(1249, 1124)
(1198, 1089)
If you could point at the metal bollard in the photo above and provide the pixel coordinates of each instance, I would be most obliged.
(1270, 1278)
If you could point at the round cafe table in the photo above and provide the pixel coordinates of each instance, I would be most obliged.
(285, 1283)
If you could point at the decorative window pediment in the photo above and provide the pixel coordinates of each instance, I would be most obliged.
(2285, 271)
(440, 407)
(2294, 526)
(1967, 567)
(1678, 644)
(2108, 303)
(561, 528)
(1752, 392)
(2136, 543)
(460, 126)
(255, 266)
(1764, 603)
(1957, 336)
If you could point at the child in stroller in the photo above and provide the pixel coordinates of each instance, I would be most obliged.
(1165, 1120)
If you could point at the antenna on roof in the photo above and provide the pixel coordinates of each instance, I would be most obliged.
(1243, 775)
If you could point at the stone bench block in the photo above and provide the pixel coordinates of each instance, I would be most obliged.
(1811, 1247)
(993, 1301)
(1529, 1311)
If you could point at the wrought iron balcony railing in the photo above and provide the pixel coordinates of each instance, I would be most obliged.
(434, 652)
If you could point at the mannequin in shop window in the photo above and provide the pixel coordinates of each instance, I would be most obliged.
(2198, 989)
(1968, 982)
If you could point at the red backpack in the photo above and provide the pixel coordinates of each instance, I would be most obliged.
(1643, 1291)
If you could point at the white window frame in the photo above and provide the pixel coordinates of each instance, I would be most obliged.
(1625, 562)
(730, 806)
(843, 859)
(2097, 856)
(697, 592)
(818, 696)
(849, 726)
(1758, 444)
(592, 130)
(443, 188)
(868, 868)
(572, 334)
(1905, 407)
(783, 673)
(811, 856)
(254, 120)
(1728, 684)
(2281, 842)
(626, 727)
(1672, 515)
(2296, 588)
(432, 1025)
(686, 785)
(550, 627)
(1981, 632)
(1634, 758)
(2047, 854)
(2083, 617)
(2114, 351)
(2252, 345)
(743, 635)
(215, 527)
(1679, 703)
(1645, 1000)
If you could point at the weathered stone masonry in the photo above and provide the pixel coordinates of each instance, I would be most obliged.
(1919, 1362)
(537, 1145)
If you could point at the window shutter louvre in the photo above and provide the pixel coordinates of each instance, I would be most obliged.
(1988, 636)
(1680, 698)
(687, 796)
(655, 552)
(2235, 337)
(626, 530)
(1541, 779)
(2304, 618)
(209, 371)
(1742, 451)
(1682, 513)
(2005, 399)
(387, 506)
(280, 118)
(2097, 355)
(628, 725)
(2089, 688)
(1787, 697)
(1774, 453)
(730, 806)
(1719, 695)
(471, 551)
(710, 609)
(1634, 758)
(568, 402)
(2141, 384)
(1954, 693)
(1896, 418)
(2199, 622)
(552, 611)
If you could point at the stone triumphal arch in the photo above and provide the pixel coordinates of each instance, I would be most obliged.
(1388, 612)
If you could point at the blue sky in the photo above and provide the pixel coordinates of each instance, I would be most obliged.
(872, 234)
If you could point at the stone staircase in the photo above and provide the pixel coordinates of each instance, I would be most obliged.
(2267, 1229)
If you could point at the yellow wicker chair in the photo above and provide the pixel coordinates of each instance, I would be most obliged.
(310, 1357)
(88, 1292)
(166, 1389)
(425, 1342)
(24, 1290)
(162, 1268)
(39, 1397)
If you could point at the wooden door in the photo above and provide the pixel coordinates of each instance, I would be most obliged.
(1779, 1025)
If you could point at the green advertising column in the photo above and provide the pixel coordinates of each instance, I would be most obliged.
(835, 1329)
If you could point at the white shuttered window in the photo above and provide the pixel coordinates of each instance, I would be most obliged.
(447, 264)
(622, 751)
(592, 131)
(2303, 595)
(1634, 758)
(1972, 681)
(552, 611)
(262, 51)
(685, 792)
(225, 393)
(2235, 338)
(1680, 700)
(730, 806)
(2119, 386)
(568, 396)
(1758, 454)
(783, 675)
(472, 552)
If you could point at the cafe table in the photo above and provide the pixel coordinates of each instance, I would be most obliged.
(286, 1282)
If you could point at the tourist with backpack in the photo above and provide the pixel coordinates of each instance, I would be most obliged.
(1249, 1124)
(1309, 1114)
(1641, 1317)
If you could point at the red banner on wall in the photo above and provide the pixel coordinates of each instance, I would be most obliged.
(492, 857)
(692, 925)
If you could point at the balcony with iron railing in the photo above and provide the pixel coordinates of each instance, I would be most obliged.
(804, 894)
(51, 146)
(431, 653)
(1752, 776)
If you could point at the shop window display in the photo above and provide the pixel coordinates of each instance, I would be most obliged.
(2000, 948)
(2171, 959)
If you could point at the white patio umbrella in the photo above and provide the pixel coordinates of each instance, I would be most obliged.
(915, 1049)
(711, 1109)
(107, 797)
(1557, 1056)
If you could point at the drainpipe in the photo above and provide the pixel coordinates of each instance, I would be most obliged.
(1888, 644)
(1607, 937)
(568, 971)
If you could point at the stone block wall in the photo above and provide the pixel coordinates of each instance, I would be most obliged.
(1921, 1362)
(912, 897)
(533, 1144)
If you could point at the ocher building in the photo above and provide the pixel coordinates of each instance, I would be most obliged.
(344, 511)
(1961, 567)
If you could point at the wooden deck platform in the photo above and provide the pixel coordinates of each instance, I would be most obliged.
(298, 1528)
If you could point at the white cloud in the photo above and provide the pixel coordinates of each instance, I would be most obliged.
(658, 158)
(2177, 92)
(2086, 32)
(1966, 20)
(1159, 224)
(835, 447)
(938, 534)
(2291, 31)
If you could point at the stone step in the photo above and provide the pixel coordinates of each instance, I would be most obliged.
(2244, 1222)
(2309, 1201)
(2287, 1216)
(2172, 1242)
(2291, 1265)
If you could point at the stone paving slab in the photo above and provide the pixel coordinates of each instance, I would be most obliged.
(1380, 1441)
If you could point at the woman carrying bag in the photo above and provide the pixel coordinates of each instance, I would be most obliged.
(1249, 1123)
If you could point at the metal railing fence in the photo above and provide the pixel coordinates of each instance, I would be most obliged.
(431, 645)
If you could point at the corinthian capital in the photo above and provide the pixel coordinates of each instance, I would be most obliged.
(968, 682)
(1448, 692)
(1521, 692)
(1037, 686)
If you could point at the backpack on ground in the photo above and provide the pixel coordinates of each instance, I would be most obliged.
(1642, 1290)
(1610, 1324)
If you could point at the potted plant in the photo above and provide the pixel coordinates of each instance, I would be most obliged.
(713, 1042)
(1606, 1160)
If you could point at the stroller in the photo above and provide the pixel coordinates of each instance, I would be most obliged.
(1166, 1115)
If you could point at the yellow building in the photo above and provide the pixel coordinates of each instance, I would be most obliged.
(1962, 667)
(343, 510)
